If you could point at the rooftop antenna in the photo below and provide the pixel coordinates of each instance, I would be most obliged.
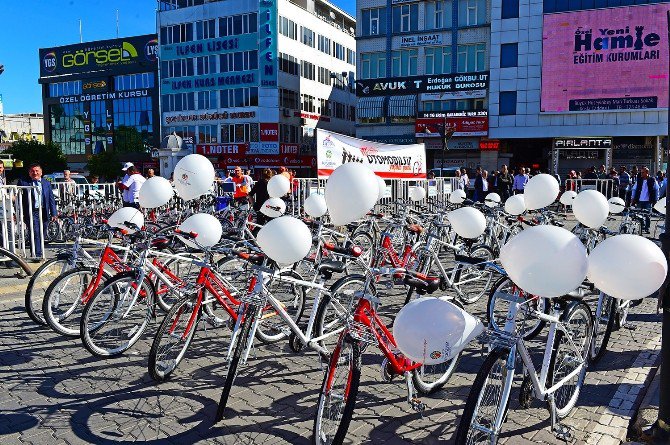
(81, 36)
(117, 23)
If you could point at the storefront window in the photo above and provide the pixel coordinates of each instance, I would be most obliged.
(67, 127)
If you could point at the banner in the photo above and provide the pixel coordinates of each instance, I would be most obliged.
(438, 83)
(462, 126)
(605, 59)
(387, 161)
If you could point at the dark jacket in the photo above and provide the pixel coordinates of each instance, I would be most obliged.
(48, 200)
(651, 186)
(259, 192)
(505, 181)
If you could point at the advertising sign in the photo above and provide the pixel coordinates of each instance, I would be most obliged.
(474, 94)
(205, 116)
(423, 84)
(209, 82)
(112, 95)
(220, 149)
(261, 161)
(428, 39)
(461, 126)
(222, 45)
(605, 59)
(387, 161)
(583, 143)
(267, 42)
(138, 53)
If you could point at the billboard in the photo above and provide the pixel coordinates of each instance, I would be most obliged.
(439, 83)
(139, 53)
(605, 59)
(387, 161)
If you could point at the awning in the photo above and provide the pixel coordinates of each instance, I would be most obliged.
(402, 106)
(370, 107)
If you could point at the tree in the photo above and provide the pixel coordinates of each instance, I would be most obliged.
(49, 156)
(105, 165)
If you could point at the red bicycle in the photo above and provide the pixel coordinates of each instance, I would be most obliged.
(337, 398)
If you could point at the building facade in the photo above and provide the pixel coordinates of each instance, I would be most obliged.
(579, 83)
(423, 76)
(248, 83)
(102, 96)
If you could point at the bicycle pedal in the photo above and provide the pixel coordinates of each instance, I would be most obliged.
(417, 405)
(214, 321)
(630, 326)
(563, 432)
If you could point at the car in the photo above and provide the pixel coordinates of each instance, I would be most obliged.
(57, 178)
(446, 172)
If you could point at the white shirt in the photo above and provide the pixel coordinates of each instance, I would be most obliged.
(134, 184)
(466, 181)
(485, 185)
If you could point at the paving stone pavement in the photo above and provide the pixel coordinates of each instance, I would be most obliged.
(53, 391)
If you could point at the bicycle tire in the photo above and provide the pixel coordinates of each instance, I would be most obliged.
(92, 325)
(48, 304)
(492, 305)
(465, 296)
(18, 260)
(600, 340)
(497, 357)
(294, 303)
(34, 296)
(349, 393)
(169, 325)
(241, 344)
(565, 392)
(367, 244)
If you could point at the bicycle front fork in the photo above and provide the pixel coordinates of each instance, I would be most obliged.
(415, 403)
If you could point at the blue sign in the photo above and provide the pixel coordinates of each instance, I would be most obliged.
(209, 82)
(267, 43)
(244, 42)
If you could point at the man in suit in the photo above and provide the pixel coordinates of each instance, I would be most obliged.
(39, 196)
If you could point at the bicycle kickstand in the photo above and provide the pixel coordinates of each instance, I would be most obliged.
(560, 430)
(415, 403)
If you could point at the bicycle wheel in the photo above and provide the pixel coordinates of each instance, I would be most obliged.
(117, 315)
(429, 379)
(487, 402)
(502, 294)
(603, 324)
(16, 259)
(339, 389)
(54, 232)
(173, 338)
(569, 352)
(334, 309)
(39, 283)
(62, 305)
(292, 298)
(473, 282)
(240, 340)
(182, 269)
(632, 227)
(365, 241)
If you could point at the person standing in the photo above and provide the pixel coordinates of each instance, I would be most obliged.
(259, 194)
(3, 179)
(624, 183)
(459, 183)
(485, 185)
(131, 187)
(479, 186)
(242, 186)
(69, 187)
(505, 181)
(151, 173)
(645, 194)
(39, 197)
(465, 180)
(520, 180)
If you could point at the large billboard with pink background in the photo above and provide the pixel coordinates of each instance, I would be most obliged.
(605, 59)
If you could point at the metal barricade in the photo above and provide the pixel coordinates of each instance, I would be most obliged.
(67, 194)
(21, 220)
(608, 187)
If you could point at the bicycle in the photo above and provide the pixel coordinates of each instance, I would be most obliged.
(559, 382)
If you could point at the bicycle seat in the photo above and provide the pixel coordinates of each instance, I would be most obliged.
(329, 267)
(414, 228)
(256, 259)
(422, 283)
(160, 243)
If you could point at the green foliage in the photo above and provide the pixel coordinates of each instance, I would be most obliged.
(128, 140)
(106, 165)
(49, 155)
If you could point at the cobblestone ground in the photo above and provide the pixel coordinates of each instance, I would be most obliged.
(53, 391)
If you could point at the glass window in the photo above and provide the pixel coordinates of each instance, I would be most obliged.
(510, 9)
(307, 36)
(438, 60)
(507, 103)
(406, 18)
(508, 55)
(404, 62)
(471, 12)
(438, 14)
(374, 21)
(471, 58)
(373, 65)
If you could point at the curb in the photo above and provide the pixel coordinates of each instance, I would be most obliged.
(648, 411)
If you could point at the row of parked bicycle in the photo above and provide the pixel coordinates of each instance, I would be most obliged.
(192, 271)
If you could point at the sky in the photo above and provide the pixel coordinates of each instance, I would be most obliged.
(32, 24)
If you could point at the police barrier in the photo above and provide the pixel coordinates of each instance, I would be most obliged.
(21, 220)
(608, 187)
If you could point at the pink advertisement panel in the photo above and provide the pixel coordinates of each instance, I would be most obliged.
(607, 59)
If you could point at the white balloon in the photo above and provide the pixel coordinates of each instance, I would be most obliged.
(515, 205)
(315, 205)
(540, 191)
(285, 240)
(351, 191)
(567, 197)
(278, 186)
(548, 261)
(207, 227)
(457, 196)
(155, 192)
(417, 193)
(273, 207)
(382, 188)
(129, 214)
(193, 176)
(433, 330)
(616, 205)
(591, 208)
(467, 222)
(492, 200)
(629, 267)
(660, 206)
